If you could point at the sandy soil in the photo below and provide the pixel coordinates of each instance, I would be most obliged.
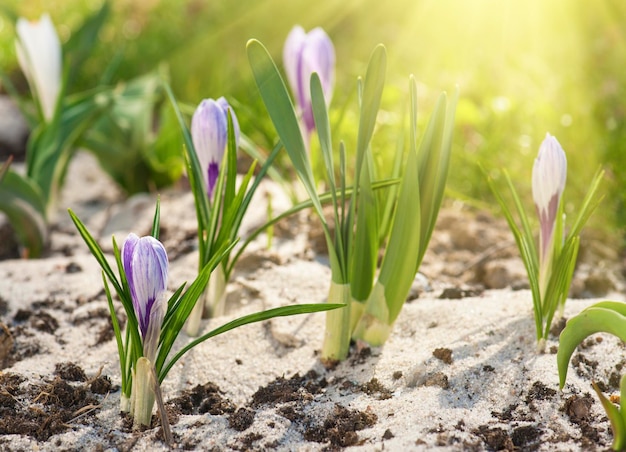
(459, 372)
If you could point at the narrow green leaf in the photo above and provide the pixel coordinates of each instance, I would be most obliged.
(370, 103)
(590, 203)
(278, 104)
(365, 249)
(231, 163)
(157, 219)
(398, 268)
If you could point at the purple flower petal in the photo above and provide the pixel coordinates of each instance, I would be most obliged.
(304, 54)
(145, 264)
(548, 182)
(209, 132)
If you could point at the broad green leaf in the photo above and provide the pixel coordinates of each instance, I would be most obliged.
(595, 319)
(80, 45)
(398, 268)
(370, 102)
(365, 250)
(443, 158)
(618, 426)
(52, 145)
(22, 202)
(245, 320)
(278, 104)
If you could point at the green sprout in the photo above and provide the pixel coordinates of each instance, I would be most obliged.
(220, 205)
(405, 219)
(606, 317)
(550, 267)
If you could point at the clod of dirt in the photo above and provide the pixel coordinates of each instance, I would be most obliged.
(539, 391)
(433, 379)
(457, 293)
(340, 427)
(495, 438)
(241, 419)
(388, 434)
(526, 437)
(294, 389)
(73, 267)
(101, 385)
(373, 387)
(70, 372)
(202, 399)
(44, 322)
(443, 354)
(42, 410)
(578, 408)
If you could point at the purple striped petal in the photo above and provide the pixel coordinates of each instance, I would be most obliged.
(146, 266)
(209, 132)
(548, 182)
(304, 54)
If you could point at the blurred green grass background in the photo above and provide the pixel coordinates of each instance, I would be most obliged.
(523, 69)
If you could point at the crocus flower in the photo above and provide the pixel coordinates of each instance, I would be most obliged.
(39, 55)
(549, 174)
(209, 132)
(145, 265)
(304, 54)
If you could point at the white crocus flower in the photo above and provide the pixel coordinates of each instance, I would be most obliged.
(39, 55)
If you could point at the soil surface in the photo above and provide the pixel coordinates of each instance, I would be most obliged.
(459, 372)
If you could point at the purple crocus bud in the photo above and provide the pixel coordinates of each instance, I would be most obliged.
(145, 265)
(549, 175)
(209, 132)
(304, 54)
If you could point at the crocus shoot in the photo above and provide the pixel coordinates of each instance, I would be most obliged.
(221, 201)
(209, 134)
(153, 321)
(371, 304)
(550, 266)
(57, 122)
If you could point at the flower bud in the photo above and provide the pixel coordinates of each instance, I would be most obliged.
(39, 55)
(146, 266)
(304, 54)
(549, 175)
(209, 132)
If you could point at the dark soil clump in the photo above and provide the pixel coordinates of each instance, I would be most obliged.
(295, 389)
(43, 410)
(202, 399)
(340, 427)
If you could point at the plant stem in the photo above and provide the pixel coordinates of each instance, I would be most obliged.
(337, 334)
(374, 325)
(143, 395)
